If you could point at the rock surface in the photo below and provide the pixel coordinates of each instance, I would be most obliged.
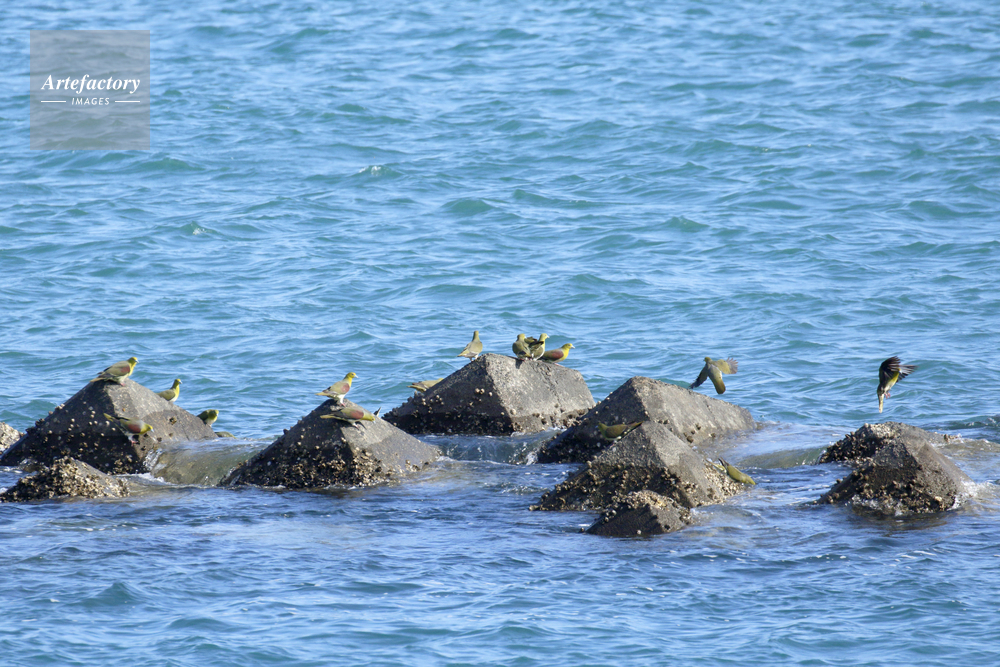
(8, 436)
(907, 474)
(867, 440)
(64, 478)
(497, 395)
(650, 458)
(639, 514)
(691, 416)
(79, 429)
(320, 452)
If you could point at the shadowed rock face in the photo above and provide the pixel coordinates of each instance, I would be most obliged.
(78, 429)
(906, 474)
(319, 452)
(639, 514)
(66, 477)
(8, 436)
(690, 416)
(650, 458)
(497, 395)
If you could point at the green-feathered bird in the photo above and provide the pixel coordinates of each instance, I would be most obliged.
(537, 348)
(520, 347)
(617, 430)
(423, 385)
(473, 349)
(209, 416)
(351, 415)
(737, 475)
(338, 390)
(558, 354)
(172, 393)
(134, 427)
(714, 368)
(889, 373)
(117, 372)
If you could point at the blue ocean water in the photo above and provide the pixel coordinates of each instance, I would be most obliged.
(347, 186)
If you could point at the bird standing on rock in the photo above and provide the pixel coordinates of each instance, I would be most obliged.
(172, 393)
(424, 385)
(737, 475)
(889, 373)
(134, 427)
(350, 415)
(338, 390)
(617, 430)
(520, 347)
(558, 354)
(714, 368)
(117, 372)
(209, 416)
(536, 346)
(473, 349)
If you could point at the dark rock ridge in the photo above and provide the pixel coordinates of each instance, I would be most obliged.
(79, 429)
(64, 478)
(650, 458)
(639, 514)
(690, 416)
(904, 474)
(8, 436)
(870, 438)
(497, 395)
(320, 452)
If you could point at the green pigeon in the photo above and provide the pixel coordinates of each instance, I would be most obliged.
(172, 393)
(617, 430)
(737, 475)
(117, 372)
(424, 385)
(520, 347)
(351, 415)
(131, 426)
(209, 416)
(338, 390)
(714, 368)
(889, 373)
(558, 354)
(473, 349)
(537, 348)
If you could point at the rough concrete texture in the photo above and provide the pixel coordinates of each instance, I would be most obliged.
(8, 436)
(639, 514)
(691, 416)
(870, 438)
(319, 452)
(497, 395)
(904, 476)
(79, 429)
(650, 458)
(65, 477)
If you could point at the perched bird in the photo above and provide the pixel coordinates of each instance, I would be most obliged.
(224, 434)
(537, 348)
(172, 393)
(209, 416)
(473, 349)
(338, 390)
(520, 347)
(134, 427)
(558, 354)
(889, 373)
(737, 475)
(350, 415)
(616, 431)
(714, 368)
(424, 385)
(117, 372)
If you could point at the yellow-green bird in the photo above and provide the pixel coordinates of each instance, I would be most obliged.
(209, 416)
(338, 390)
(424, 385)
(558, 354)
(537, 348)
(714, 368)
(616, 431)
(117, 372)
(473, 349)
(172, 393)
(736, 474)
(520, 347)
(134, 427)
(889, 373)
(351, 415)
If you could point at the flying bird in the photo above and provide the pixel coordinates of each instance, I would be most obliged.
(117, 372)
(172, 393)
(714, 368)
(889, 373)
(338, 390)
(473, 349)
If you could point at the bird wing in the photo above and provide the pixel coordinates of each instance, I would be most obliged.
(905, 369)
(727, 366)
(716, 375)
(887, 372)
(702, 376)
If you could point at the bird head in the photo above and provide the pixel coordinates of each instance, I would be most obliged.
(708, 360)
(177, 382)
(132, 361)
(543, 337)
(475, 334)
(568, 346)
(146, 428)
(520, 338)
(350, 376)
